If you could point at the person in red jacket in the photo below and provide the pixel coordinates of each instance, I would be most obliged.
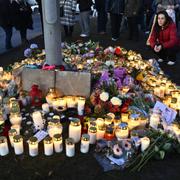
(164, 39)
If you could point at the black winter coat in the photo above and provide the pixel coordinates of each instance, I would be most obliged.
(22, 16)
(85, 5)
(5, 13)
(100, 5)
(115, 6)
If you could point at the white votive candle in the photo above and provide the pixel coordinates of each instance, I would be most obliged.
(38, 120)
(71, 102)
(33, 146)
(12, 133)
(85, 143)
(92, 133)
(58, 143)
(70, 147)
(17, 128)
(18, 144)
(4, 150)
(48, 146)
(75, 130)
(80, 106)
(62, 102)
(100, 132)
(45, 107)
(100, 122)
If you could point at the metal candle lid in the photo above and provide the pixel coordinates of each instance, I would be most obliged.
(17, 138)
(3, 139)
(57, 137)
(12, 132)
(85, 137)
(33, 140)
(48, 140)
(75, 122)
(123, 126)
(93, 129)
(69, 141)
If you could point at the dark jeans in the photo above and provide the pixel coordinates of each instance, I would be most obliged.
(115, 24)
(23, 33)
(101, 21)
(167, 54)
(133, 27)
(68, 30)
(8, 31)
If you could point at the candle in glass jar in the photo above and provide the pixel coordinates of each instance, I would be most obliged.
(4, 150)
(70, 147)
(80, 106)
(100, 122)
(33, 146)
(12, 133)
(109, 133)
(54, 127)
(92, 133)
(125, 117)
(108, 120)
(17, 128)
(75, 130)
(45, 107)
(48, 146)
(100, 132)
(122, 131)
(85, 143)
(154, 121)
(15, 119)
(117, 121)
(58, 144)
(62, 102)
(18, 144)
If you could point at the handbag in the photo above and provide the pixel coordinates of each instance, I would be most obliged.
(62, 9)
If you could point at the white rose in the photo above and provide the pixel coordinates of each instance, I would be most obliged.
(104, 96)
(111, 49)
(116, 101)
(145, 142)
(110, 63)
(90, 61)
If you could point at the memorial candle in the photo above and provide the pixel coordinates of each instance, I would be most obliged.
(80, 106)
(92, 133)
(18, 144)
(58, 144)
(33, 146)
(45, 107)
(100, 132)
(70, 147)
(17, 128)
(85, 143)
(4, 150)
(48, 146)
(12, 133)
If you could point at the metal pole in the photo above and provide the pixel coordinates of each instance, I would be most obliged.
(52, 31)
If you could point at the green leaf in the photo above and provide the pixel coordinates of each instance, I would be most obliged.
(167, 146)
(156, 148)
(162, 154)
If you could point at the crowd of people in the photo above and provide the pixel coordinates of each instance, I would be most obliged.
(158, 18)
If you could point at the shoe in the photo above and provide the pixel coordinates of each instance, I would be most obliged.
(114, 39)
(83, 35)
(160, 60)
(170, 63)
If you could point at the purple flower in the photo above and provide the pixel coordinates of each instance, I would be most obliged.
(128, 81)
(28, 53)
(119, 73)
(104, 77)
(119, 83)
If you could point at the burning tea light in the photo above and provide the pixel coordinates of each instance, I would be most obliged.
(75, 130)
(12, 133)
(58, 144)
(33, 146)
(85, 143)
(4, 150)
(18, 144)
(48, 146)
(80, 107)
(70, 147)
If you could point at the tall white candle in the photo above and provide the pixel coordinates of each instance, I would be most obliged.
(58, 144)
(92, 133)
(12, 133)
(75, 130)
(80, 107)
(54, 127)
(100, 132)
(71, 102)
(48, 146)
(4, 150)
(70, 147)
(85, 143)
(18, 144)
(33, 146)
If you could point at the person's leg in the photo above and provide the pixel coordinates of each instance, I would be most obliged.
(130, 28)
(66, 30)
(86, 21)
(81, 22)
(171, 55)
(71, 28)
(162, 54)
(135, 31)
(113, 26)
(8, 31)
(23, 33)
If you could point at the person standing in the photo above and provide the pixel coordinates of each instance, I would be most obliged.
(41, 14)
(22, 18)
(6, 21)
(84, 17)
(116, 10)
(68, 19)
(132, 10)
(102, 16)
